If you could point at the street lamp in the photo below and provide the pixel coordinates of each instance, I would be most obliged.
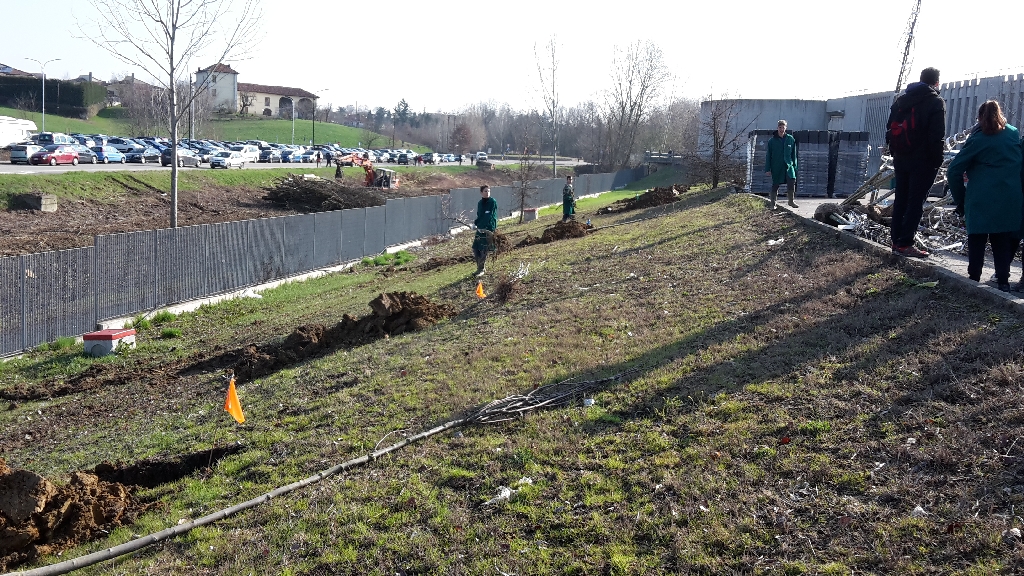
(42, 66)
(314, 114)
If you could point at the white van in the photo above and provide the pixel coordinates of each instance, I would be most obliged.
(248, 152)
(47, 138)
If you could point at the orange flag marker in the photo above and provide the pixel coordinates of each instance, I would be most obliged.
(480, 290)
(232, 405)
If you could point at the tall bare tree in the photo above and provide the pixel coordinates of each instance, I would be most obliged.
(245, 100)
(163, 37)
(547, 73)
(723, 139)
(638, 75)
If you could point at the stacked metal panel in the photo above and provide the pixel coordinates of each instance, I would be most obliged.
(852, 162)
(757, 180)
(812, 162)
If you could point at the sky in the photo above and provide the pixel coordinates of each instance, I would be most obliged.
(456, 54)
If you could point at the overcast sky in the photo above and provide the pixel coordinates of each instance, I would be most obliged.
(452, 54)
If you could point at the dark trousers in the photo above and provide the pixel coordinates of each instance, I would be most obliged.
(912, 183)
(1004, 246)
(790, 189)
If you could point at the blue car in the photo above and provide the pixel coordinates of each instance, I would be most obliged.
(108, 154)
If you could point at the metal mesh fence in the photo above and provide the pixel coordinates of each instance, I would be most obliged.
(54, 294)
(58, 297)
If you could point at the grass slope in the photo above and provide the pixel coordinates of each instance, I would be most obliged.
(794, 404)
(109, 122)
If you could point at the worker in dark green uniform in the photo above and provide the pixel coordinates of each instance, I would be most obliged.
(568, 200)
(486, 224)
(780, 163)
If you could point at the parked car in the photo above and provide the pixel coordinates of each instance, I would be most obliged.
(47, 138)
(249, 152)
(108, 154)
(286, 155)
(55, 154)
(309, 155)
(124, 145)
(227, 159)
(430, 158)
(84, 140)
(406, 158)
(449, 157)
(85, 154)
(186, 157)
(149, 154)
(481, 156)
(269, 155)
(21, 153)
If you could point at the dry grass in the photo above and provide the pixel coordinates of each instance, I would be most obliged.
(795, 404)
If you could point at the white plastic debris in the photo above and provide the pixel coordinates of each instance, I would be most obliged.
(250, 293)
(504, 493)
(776, 242)
(588, 401)
(918, 512)
(524, 480)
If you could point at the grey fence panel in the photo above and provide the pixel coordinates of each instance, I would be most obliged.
(266, 249)
(299, 241)
(58, 295)
(621, 179)
(432, 216)
(396, 222)
(126, 273)
(374, 239)
(506, 203)
(11, 278)
(328, 238)
(464, 201)
(227, 257)
(353, 230)
(181, 264)
(422, 216)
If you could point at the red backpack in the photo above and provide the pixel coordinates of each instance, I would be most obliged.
(901, 132)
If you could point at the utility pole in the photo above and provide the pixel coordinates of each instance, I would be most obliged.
(42, 67)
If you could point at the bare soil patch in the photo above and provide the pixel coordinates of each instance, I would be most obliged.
(649, 199)
(94, 377)
(560, 231)
(303, 194)
(39, 518)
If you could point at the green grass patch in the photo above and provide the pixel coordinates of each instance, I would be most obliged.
(389, 259)
(170, 333)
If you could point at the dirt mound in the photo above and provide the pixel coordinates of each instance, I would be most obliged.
(96, 376)
(39, 518)
(392, 313)
(153, 472)
(649, 199)
(319, 195)
(560, 231)
(435, 263)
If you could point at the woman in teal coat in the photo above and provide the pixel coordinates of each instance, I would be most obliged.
(991, 201)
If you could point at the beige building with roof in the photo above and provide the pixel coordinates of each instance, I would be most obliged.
(229, 95)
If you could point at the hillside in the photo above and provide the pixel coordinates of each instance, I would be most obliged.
(740, 407)
(109, 122)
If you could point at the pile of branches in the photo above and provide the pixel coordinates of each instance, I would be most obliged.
(313, 194)
(548, 396)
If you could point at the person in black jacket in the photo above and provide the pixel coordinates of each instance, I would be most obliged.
(916, 168)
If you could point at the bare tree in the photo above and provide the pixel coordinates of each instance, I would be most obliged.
(245, 99)
(369, 138)
(723, 140)
(638, 75)
(162, 37)
(524, 190)
(550, 94)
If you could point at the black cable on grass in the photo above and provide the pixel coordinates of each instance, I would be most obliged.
(503, 410)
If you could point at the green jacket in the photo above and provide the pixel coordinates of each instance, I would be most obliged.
(992, 198)
(568, 200)
(780, 158)
(486, 219)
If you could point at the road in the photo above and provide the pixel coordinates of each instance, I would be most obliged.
(8, 168)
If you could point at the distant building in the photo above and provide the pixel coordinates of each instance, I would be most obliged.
(6, 70)
(229, 95)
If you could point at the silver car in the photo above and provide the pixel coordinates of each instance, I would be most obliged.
(20, 153)
(227, 159)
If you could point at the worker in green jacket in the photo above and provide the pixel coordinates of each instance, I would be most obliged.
(568, 200)
(991, 201)
(486, 224)
(780, 163)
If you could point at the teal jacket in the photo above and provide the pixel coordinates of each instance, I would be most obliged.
(486, 219)
(568, 200)
(780, 158)
(992, 198)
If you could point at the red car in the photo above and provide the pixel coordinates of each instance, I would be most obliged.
(55, 154)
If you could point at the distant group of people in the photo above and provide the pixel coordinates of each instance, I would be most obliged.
(986, 178)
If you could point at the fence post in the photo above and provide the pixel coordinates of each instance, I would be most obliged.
(155, 298)
(95, 283)
(24, 305)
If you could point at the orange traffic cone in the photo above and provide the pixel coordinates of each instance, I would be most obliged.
(480, 290)
(232, 405)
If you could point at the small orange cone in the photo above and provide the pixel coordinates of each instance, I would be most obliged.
(480, 290)
(232, 405)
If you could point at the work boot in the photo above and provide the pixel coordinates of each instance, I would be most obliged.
(792, 195)
(773, 197)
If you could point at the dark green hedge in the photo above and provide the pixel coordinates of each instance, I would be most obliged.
(63, 97)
